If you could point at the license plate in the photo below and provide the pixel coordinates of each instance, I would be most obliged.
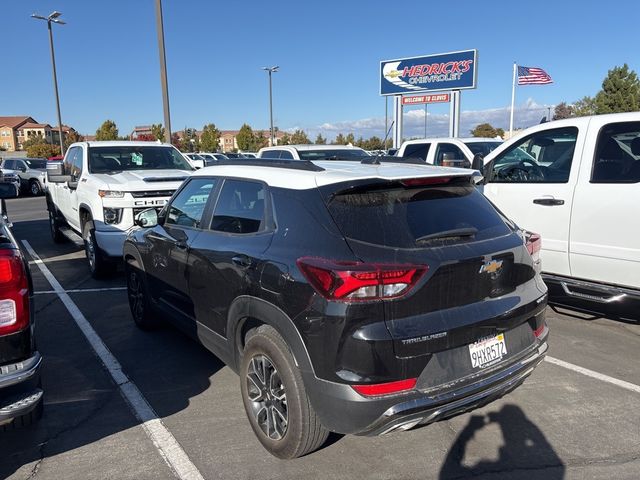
(487, 351)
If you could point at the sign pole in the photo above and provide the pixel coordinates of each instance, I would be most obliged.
(457, 95)
(397, 119)
(425, 120)
(386, 121)
(513, 99)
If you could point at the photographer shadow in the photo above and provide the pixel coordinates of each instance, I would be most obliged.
(525, 452)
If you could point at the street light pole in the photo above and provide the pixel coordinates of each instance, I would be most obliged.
(271, 70)
(163, 72)
(53, 18)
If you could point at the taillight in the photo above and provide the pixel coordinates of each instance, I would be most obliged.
(353, 281)
(14, 293)
(389, 388)
(533, 242)
(418, 182)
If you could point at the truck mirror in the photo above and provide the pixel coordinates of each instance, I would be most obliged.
(55, 173)
(147, 218)
(478, 162)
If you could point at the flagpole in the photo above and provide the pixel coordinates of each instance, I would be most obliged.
(513, 99)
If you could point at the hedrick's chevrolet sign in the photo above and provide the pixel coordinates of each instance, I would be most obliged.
(443, 71)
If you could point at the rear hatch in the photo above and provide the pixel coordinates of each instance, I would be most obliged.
(477, 277)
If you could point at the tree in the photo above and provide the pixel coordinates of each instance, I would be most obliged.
(373, 143)
(562, 111)
(620, 91)
(72, 137)
(320, 140)
(210, 138)
(33, 141)
(259, 141)
(339, 140)
(43, 150)
(107, 131)
(299, 137)
(285, 139)
(584, 107)
(189, 140)
(157, 130)
(487, 131)
(245, 138)
(350, 139)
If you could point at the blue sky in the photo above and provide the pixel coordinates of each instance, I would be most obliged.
(329, 54)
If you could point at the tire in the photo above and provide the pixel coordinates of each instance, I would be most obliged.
(23, 421)
(142, 311)
(54, 226)
(274, 397)
(99, 266)
(35, 189)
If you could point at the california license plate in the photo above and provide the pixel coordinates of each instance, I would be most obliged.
(487, 351)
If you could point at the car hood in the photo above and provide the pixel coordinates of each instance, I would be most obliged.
(140, 180)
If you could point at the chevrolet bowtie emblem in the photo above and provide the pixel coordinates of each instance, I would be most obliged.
(491, 267)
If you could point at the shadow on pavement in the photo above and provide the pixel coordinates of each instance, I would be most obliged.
(525, 450)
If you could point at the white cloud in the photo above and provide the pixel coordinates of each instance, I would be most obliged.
(526, 115)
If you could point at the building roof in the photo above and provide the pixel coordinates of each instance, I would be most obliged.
(35, 125)
(14, 122)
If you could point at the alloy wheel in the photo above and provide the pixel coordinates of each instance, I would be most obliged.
(268, 398)
(136, 295)
(91, 250)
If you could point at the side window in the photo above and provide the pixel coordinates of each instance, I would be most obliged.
(417, 150)
(240, 207)
(187, 208)
(271, 154)
(20, 165)
(449, 155)
(542, 157)
(617, 158)
(9, 164)
(76, 163)
(286, 155)
(69, 158)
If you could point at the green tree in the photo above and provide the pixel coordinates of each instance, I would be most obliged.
(350, 139)
(259, 141)
(285, 139)
(620, 91)
(43, 150)
(340, 140)
(33, 141)
(373, 143)
(487, 131)
(157, 130)
(107, 131)
(584, 107)
(245, 138)
(72, 137)
(320, 140)
(210, 138)
(299, 137)
(189, 140)
(562, 111)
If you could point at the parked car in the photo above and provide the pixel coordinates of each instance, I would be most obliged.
(576, 182)
(250, 154)
(99, 188)
(213, 158)
(20, 388)
(312, 152)
(196, 160)
(354, 298)
(234, 155)
(448, 152)
(31, 171)
(11, 176)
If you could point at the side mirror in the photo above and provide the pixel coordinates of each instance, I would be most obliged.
(55, 173)
(22, 168)
(8, 190)
(478, 162)
(147, 218)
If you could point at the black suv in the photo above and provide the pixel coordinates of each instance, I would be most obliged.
(353, 298)
(20, 392)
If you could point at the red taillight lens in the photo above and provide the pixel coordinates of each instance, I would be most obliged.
(533, 242)
(353, 281)
(418, 182)
(14, 293)
(538, 332)
(388, 388)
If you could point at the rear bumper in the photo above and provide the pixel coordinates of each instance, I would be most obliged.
(20, 391)
(342, 410)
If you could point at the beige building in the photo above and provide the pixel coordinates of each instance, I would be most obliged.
(14, 131)
(228, 142)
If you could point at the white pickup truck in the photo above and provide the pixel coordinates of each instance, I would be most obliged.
(448, 152)
(99, 187)
(577, 183)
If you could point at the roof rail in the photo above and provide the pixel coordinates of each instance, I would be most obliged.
(273, 162)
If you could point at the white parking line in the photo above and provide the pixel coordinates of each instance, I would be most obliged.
(166, 444)
(590, 373)
(81, 290)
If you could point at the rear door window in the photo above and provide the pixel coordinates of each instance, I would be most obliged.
(417, 217)
(449, 155)
(617, 157)
(417, 150)
(240, 207)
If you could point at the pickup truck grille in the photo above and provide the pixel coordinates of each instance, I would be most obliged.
(154, 193)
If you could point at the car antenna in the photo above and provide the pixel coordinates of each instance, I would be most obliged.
(376, 160)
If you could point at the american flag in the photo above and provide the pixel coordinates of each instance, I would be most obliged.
(533, 76)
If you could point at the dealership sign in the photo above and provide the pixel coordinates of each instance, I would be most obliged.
(444, 71)
(433, 98)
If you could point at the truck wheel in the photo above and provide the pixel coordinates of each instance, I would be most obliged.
(275, 399)
(54, 226)
(139, 301)
(99, 266)
(34, 188)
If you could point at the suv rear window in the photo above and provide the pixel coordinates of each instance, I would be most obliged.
(401, 217)
(335, 154)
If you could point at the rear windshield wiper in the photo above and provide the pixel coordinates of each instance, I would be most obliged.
(455, 233)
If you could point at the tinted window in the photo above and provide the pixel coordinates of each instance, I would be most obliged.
(333, 154)
(542, 157)
(187, 208)
(482, 148)
(9, 164)
(449, 155)
(240, 207)
(286, 155)
(617, 157)
(406, 217)
(271, 154)
(417, 150)
(117, 159)
(38, 164)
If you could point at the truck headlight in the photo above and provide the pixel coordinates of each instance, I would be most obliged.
(112, 215)
(110, 194)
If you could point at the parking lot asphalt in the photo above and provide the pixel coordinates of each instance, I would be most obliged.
(573, 418)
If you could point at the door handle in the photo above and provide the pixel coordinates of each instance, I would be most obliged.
(241, 261)
(548, 201)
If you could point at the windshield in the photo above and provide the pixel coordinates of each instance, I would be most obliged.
(334, 154)
(117, 159)
(482, 148)
(38, 164)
